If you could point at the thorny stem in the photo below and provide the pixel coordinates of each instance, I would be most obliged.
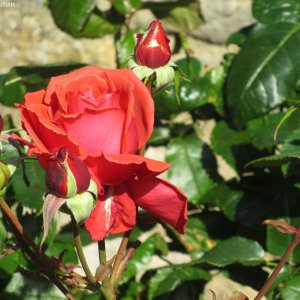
(119, 257)
(23, 240)
(281, 263)
(80, 252)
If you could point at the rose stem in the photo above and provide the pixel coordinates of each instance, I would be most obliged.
(80, 252)
(281, 263)
(119, 257)
(102, 252)
(20, 235)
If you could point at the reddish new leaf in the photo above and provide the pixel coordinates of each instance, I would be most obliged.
(282, 226)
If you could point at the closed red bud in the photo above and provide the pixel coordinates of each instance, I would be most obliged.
(152, 48)
(67, 175)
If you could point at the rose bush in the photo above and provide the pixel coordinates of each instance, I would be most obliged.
(104, 117)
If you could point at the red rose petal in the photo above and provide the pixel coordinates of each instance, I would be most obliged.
(161, 199)
(112, 214)
(115, 169)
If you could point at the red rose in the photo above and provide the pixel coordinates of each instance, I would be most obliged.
(89, 111)
(103, 117)
(152, 48)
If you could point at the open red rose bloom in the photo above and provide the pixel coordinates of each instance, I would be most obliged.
(103, 117)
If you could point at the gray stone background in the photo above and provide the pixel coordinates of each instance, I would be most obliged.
(28, 35)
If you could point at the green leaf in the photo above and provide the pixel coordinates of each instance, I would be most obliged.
(179, 16)
(192, 95)
(125, 45)
(168, 279)
(190, 66)
(126, 6)
(56, 248)
(191, 165)
(196, 237)
(33, 287)
(273, 160)
(291, 290)
(141, 258)
(2, 236)
(226, 199)
(286, 116)
(216, 77)
(81, 19)
(9, 263)
(253, 89)
(159, 136)
(32, 196)
(262, 131)
(21, 80)
(271, 11)
(234, 250)
(224, 146)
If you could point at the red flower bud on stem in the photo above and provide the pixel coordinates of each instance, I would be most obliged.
(67, 175)
(152, 48)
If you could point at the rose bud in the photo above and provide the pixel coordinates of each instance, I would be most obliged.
(4, 174)
(152, 48)
(67, 175)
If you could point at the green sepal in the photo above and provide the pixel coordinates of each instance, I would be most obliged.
(71, 181)
(82, 204)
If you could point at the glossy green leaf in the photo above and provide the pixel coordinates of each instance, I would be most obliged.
(125, 46)
(21, 80)
(271, 11)
(190, 66)
(32, 196)
(234, 250)
(180, 16)
(194, 94)
(33, 287)
(168, 279)
(260, 78)
(191, 165)
(291, 290)
(216, 77)
(81, 19)
(126, 6)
